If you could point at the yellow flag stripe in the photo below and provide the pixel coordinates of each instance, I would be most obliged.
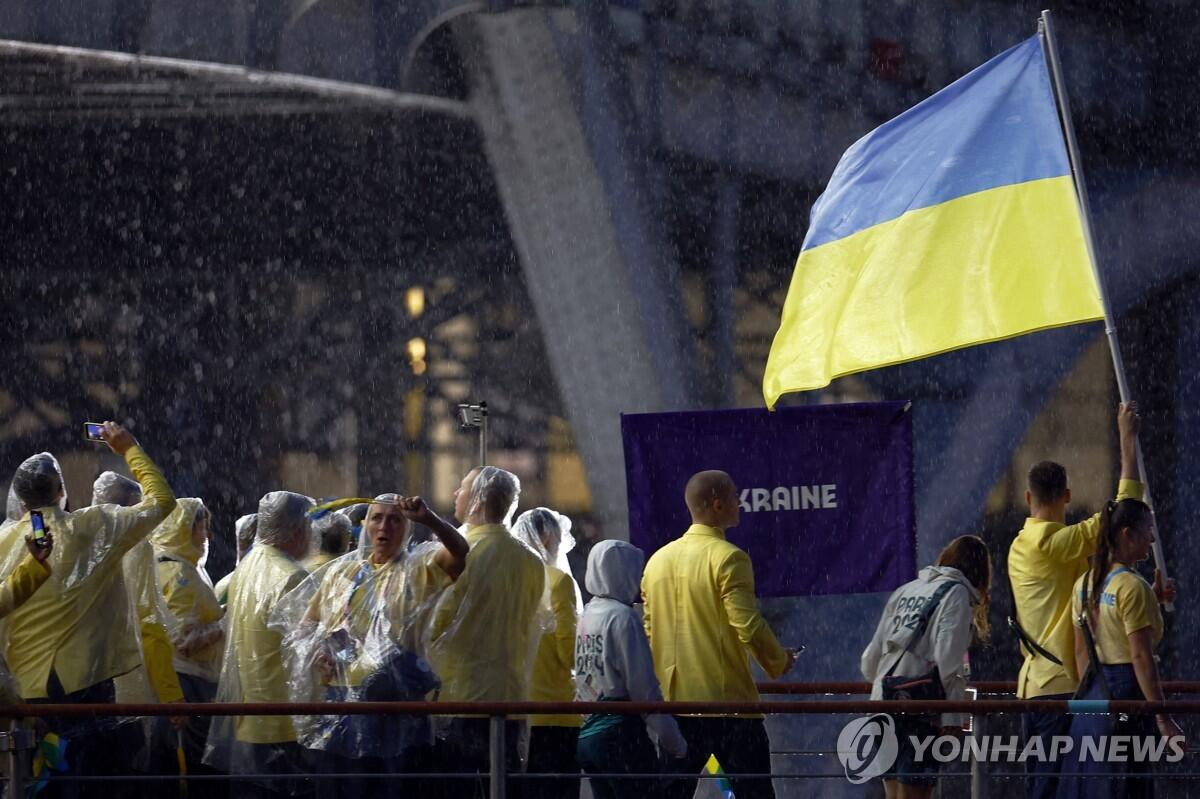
(984, 267)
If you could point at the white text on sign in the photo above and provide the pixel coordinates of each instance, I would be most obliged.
(809, 497)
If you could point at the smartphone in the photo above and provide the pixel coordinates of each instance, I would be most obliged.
(39, 527)
(93, 431)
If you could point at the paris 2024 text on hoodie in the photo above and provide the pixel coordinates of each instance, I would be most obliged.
(612, 655)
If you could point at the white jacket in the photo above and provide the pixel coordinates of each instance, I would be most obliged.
(945, 641)
(612, 655)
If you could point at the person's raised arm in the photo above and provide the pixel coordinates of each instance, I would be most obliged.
(157, 498)
(1079, 540)
(1128, 424)
(452, 559)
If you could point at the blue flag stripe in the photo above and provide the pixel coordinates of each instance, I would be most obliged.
(996, 126)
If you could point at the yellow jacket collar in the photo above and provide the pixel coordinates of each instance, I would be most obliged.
(704, 529)
(480, 530)
(1041, 525)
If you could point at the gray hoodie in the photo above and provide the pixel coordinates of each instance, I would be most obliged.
(945, 641)
(612, 655)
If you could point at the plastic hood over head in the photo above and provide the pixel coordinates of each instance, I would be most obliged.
(279, 513)
(364, 547)
(12, 508)
(614, 570)
(331, 525)
(111, 488)
(498, 486)
(532, 526)
(37, 480)
(174, 536)
(245, 529)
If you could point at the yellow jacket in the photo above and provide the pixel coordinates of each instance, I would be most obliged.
(190, 601)
(482, 632)
(260, 581)
(702, 619)
(142, 585)
(80, 624)
(1044, 561)
(20, 585)
(553, 667)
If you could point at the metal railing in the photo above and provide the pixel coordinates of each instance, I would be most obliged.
(17, 743)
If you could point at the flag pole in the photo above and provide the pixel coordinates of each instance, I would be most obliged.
(1050, 47)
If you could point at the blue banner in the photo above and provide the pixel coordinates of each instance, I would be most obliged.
(826, 491)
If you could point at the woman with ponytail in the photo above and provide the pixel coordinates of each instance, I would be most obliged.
(1118, 610)
(928, 622)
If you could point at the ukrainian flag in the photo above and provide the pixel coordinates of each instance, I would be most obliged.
(956, 223)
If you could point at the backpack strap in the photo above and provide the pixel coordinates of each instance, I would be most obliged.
(1085, 618)
(923, 620)
(1025, 638)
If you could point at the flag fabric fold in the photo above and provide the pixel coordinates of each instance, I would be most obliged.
(954, 224)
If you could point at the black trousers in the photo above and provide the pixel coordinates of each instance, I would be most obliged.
(741, 746)
(1042, 782)
(464, 747)
(94, 747)
(552, 751)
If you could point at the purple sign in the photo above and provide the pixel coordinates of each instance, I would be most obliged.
(826, 491)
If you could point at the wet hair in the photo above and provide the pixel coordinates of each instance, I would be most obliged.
(1115, 517)
(496, 492)
(334, 532)
(969, 554)
(202, 514)
(1047, 482)
(246, 529)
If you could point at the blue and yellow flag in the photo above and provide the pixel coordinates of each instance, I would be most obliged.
(956, 223)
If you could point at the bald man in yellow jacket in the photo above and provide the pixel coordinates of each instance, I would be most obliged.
(702, 619)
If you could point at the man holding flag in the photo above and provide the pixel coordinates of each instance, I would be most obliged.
(1044, 561)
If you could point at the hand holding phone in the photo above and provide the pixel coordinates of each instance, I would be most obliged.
(119, 439)
(38, 522)
(41, 542)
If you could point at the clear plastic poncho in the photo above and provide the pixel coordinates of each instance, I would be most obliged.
(253, 663)
(331, 539)
(12, 507)
(548, 533)
(156, 680)
(245, 528)
(82, 624)
(191, 612)
(353, 631)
